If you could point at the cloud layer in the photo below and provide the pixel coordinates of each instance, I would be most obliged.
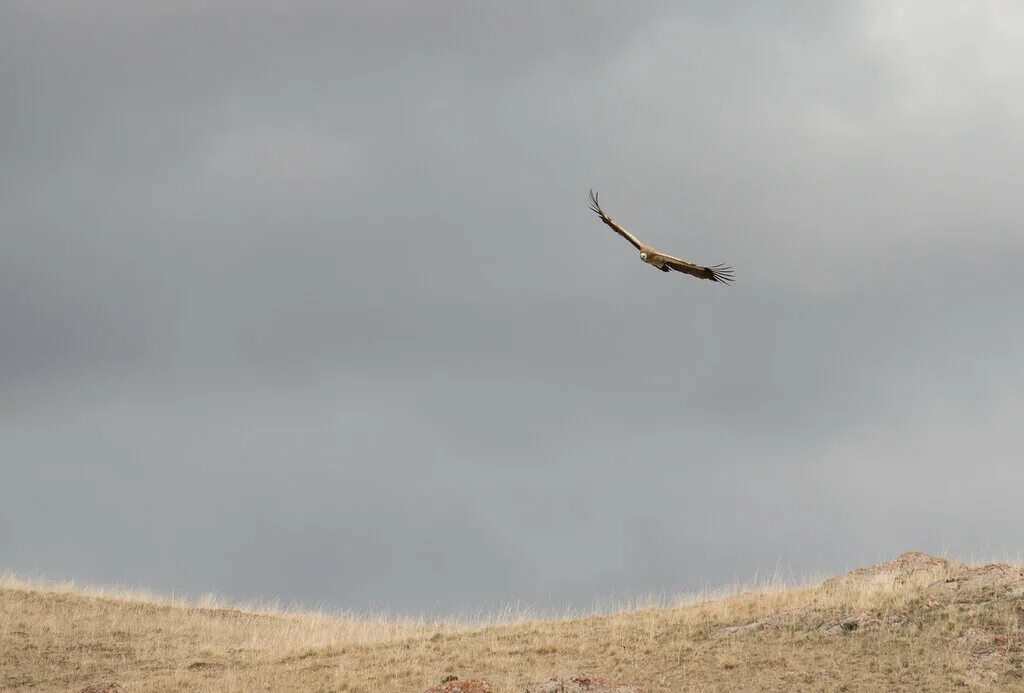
(303, 301)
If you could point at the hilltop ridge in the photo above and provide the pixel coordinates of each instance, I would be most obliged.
(917, 622)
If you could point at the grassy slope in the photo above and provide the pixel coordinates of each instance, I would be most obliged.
(916, 624)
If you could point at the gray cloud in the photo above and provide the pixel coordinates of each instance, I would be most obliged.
(305, 301)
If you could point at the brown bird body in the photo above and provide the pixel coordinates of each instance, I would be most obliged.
(658, 259)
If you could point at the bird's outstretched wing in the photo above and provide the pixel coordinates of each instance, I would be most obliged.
(718, 273)
(596, 207)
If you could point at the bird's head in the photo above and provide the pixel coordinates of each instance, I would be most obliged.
(643, 256)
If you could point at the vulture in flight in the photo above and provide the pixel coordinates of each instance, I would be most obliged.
(666, 263)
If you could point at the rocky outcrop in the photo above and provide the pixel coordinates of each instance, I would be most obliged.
(907, 566)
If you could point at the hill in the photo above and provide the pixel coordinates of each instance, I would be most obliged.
(915, 623)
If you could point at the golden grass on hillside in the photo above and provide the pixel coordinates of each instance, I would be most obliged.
(917, 623)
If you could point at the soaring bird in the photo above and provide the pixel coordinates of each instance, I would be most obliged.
(666, 263)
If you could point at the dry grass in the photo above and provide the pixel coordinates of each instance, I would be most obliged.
(915, 624)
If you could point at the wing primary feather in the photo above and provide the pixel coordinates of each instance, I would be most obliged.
(723, 274)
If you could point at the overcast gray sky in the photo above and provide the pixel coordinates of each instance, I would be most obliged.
(303, 300)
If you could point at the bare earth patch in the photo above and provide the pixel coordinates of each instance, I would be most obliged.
(452, 684)
(916, 623)
(581, 683)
